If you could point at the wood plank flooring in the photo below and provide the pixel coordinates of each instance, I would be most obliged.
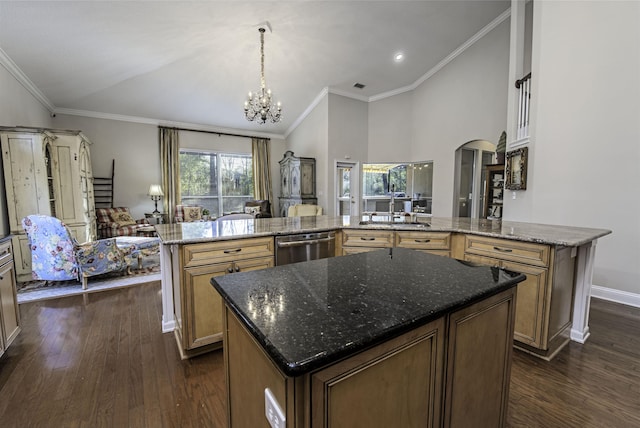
(100, 360)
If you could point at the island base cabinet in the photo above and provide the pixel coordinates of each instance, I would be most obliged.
(453, 372)
(9, 311)
(198, 307)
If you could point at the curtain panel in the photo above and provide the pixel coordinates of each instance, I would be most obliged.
(261, 169)
(170, 166)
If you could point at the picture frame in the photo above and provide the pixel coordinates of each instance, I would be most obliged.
(516, 169)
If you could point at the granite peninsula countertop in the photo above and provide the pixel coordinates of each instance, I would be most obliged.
(187, 233)
(307, 315)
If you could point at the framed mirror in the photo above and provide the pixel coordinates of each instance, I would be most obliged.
(516, 169)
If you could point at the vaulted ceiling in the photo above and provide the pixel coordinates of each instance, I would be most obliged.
(194, 62)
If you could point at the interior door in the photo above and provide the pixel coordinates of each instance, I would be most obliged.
(346, 189)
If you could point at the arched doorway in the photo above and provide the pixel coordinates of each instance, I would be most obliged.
(471, 159)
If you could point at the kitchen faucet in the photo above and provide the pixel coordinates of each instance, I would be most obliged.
(392, 202)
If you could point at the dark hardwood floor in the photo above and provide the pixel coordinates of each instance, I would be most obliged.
(102, 361)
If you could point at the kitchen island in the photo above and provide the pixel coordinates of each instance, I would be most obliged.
(554, 300)
(393, 337)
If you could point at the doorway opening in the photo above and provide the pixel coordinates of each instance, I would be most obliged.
(471, 160)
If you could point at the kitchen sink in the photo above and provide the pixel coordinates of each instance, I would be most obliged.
(387, 221)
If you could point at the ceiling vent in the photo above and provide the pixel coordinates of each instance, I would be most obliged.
(358, 85)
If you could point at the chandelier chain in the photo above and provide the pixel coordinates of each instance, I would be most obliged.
(259, 106)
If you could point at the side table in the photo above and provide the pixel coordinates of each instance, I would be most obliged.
(148, 231)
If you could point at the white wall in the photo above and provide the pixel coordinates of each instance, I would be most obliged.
(464, 101)
(311, 139)
(348, 136)
(390, 129)
(135, 148)
(18, 107)
(585, 136)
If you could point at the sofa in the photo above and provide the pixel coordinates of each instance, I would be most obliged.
(112, 222)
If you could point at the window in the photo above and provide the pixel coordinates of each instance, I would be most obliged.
(220, 182)
(410, 181)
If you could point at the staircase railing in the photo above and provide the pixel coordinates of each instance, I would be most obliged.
(524, 99)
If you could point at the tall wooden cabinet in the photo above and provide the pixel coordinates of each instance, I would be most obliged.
(297, 181)
(9, 312)
(46, 172)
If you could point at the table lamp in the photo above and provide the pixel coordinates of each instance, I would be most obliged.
(155, 191)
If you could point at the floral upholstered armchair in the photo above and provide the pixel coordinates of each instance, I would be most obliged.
(57, 256)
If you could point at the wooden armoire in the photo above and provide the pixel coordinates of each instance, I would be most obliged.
(297, 181)
(46, 171)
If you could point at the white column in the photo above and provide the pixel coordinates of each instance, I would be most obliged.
(582, 300)
(168, 321)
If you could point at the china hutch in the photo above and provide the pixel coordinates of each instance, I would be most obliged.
(46, 172)
(297, 181)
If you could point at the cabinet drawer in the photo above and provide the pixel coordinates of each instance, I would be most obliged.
(503, 249)
(367, 238)
(423, 240)
(5, 252)
(221, 251)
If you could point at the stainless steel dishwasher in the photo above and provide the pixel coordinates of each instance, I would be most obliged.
(304, 246)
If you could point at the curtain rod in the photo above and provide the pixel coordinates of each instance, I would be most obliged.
(213, 132)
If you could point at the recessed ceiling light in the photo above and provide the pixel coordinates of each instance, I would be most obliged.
(398, 57)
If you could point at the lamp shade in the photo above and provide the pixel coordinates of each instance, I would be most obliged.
(155, 190)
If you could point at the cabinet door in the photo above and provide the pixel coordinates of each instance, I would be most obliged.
(395, 384)
(25, 174)
(295, 180)
(307, 179)
(531, 312)
(9, 311)
(478, 363)
(202, 310)
(285, 186)
(530, 303)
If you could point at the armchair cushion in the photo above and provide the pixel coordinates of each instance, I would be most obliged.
(192, 213)
(98, 257)
(122, 218)
(187, 213)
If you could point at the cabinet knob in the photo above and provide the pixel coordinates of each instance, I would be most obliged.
(367, 238)
(237, 268)
(504, 250)
(230, 270)
(422, 240)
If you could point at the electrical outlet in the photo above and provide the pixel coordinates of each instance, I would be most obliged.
(272, 410)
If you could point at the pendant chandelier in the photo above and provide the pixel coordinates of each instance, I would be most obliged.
(259, 105)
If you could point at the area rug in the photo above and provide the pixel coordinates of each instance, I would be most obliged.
(31, 291)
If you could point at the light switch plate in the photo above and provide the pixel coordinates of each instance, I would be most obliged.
(272, 410)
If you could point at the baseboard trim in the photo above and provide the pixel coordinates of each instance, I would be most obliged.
(617, 296)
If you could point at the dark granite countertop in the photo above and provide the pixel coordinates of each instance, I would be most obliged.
(308, 315)
(187, 233)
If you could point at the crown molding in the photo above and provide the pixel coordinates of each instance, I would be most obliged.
(453, 55)
(167, 123)
(22, 78)
(15, 71)
(307, 111)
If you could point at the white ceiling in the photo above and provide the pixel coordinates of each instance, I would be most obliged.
(194, 62)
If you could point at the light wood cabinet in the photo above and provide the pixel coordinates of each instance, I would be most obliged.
(426, 377)
(197, 305)
(9, 311)
(46, 172)
(438, 243)
(362, 240)
(543, 309)
(297, 181)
